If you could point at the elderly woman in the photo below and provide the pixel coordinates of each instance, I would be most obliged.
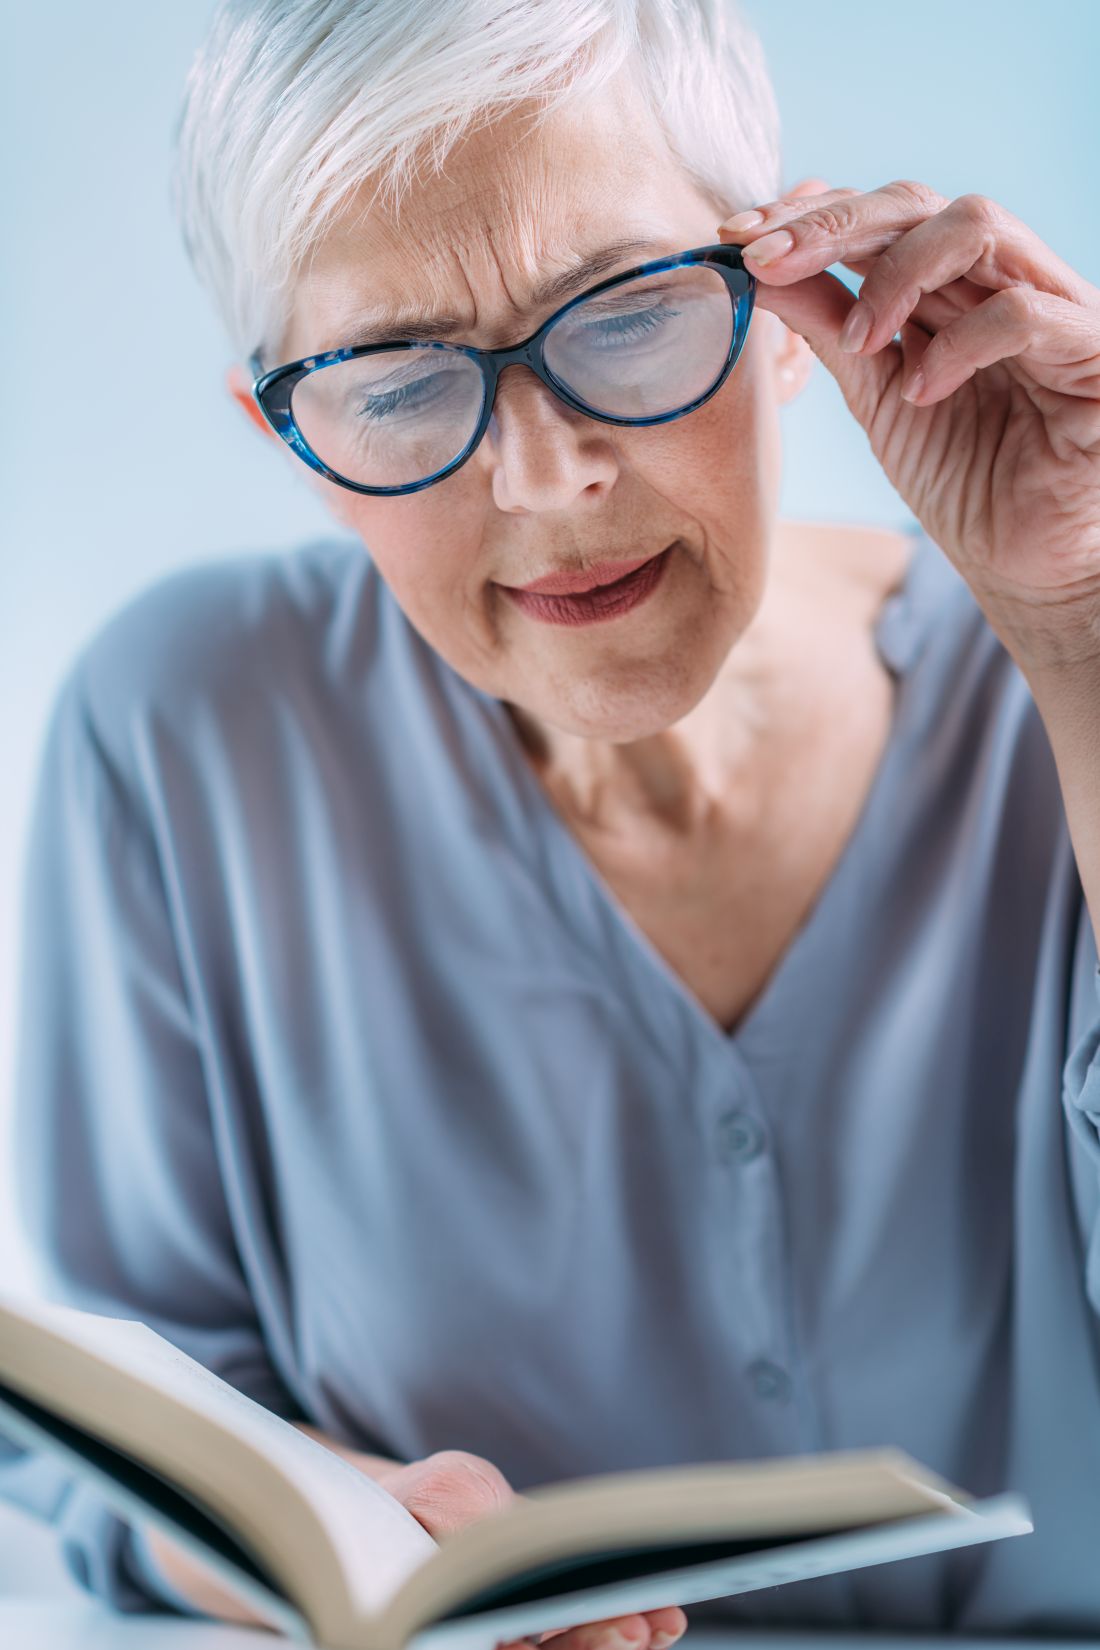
(605, 977)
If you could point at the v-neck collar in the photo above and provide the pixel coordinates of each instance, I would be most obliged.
(664, 1004)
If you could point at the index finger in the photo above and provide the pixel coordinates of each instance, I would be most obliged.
(778, 211)
(853, 224)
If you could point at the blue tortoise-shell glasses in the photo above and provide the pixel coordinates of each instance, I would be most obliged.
(642, 347)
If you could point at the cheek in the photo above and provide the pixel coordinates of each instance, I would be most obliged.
(412, 540)
(427, 547)
(709, 462)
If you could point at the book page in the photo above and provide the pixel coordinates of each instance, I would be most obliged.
(573, 1524)
(990, 1520)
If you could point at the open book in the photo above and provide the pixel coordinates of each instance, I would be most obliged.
(328, 1556)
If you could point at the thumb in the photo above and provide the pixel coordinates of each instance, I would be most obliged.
(449, 1489)
(817, 308)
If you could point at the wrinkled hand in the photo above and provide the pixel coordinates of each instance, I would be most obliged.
(998, 451)
(452, 1488)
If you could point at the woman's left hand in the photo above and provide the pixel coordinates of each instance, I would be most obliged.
(998, 454)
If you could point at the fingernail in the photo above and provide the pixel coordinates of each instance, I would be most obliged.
(661, 1640)
(853, 334)
(743, 220)
(770, 248)
(912, 390)
(621, 1638)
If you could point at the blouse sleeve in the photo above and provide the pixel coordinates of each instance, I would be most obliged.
(1081, 1096)
(116, 1165)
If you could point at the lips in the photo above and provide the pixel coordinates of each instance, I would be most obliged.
(599, 605)
(574, 584)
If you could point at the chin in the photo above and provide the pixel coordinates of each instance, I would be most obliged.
(623, 715)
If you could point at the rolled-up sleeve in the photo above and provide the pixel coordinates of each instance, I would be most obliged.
(119, 1186)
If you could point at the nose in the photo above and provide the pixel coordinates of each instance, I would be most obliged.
(544, 454)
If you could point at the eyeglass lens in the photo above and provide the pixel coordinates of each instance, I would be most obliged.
(641, 350)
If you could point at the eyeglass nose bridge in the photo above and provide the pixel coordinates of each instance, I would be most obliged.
(528, 354)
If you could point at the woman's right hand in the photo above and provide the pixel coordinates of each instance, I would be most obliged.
(444, 1492)
(452, 1488)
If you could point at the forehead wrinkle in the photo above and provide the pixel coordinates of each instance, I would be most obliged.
(497, 236)
(529, 267)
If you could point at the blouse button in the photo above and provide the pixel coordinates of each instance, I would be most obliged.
(740, 1137)
(769, 1380)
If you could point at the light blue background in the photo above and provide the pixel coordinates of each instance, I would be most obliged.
(123, 456)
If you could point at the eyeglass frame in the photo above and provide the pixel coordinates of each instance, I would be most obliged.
(272, 390)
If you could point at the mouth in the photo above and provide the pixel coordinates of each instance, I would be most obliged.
(607, 591)
(577, 584)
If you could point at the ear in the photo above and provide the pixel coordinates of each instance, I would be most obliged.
(336, 499)
(794, 359)
(807, 186)
(792, 364)
(240, 388)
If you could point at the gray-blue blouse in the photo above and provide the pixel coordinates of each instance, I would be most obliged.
(341, 1067)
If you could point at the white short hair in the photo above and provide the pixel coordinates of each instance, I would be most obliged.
(291, 106)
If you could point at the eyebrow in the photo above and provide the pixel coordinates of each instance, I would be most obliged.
(418, 326)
